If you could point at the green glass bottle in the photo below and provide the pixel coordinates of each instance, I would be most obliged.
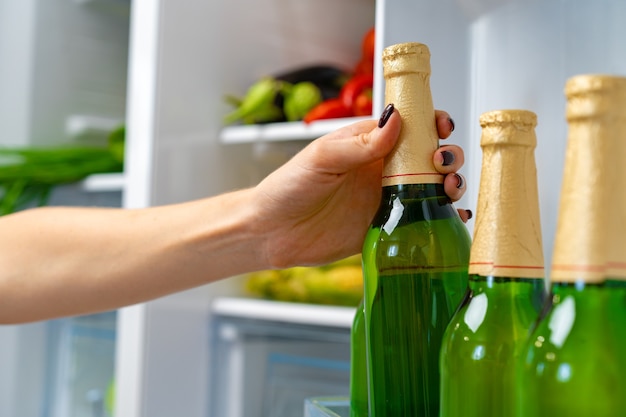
(506, 274)
(358, 365)
(574, 363)
(616, 273)
(415, 254)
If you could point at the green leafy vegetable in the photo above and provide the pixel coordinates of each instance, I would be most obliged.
(28, 175)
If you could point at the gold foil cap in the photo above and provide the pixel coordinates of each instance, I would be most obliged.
(406, 68)
(507, 231)
(594, 95)
(590, 238)
(508, 127)
(411, 57)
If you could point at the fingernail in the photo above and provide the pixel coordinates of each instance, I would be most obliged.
(469, 214)
(460, 181)
(451, 124)
(384, 117)
(448, 158)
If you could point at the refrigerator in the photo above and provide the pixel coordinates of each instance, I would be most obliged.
(211, 350)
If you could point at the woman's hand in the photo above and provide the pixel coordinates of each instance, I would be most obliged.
(61, 261)
(318, 206)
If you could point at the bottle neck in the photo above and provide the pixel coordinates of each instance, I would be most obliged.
(415, 202)
(512, 291)
(590, 234)
(407, 86)
(513, 285)
(584, 298)
(579, 288)
(575, 304)
(507, 231)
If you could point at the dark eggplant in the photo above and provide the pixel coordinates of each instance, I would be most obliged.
(328, 78)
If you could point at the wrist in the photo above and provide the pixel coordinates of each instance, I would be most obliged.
(234, 237)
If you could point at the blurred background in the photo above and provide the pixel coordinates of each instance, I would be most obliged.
(136, 103)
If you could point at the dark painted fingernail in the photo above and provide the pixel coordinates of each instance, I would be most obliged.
(384, 117)
(451, 124)
(461, 181)
(469, 214)
(448, 158)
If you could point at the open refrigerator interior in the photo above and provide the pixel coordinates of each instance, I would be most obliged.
(164, 67)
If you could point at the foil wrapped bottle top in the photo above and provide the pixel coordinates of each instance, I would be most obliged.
(591, 228)
(507, 231)
(406, 58)
(513, 127)
(406, 68)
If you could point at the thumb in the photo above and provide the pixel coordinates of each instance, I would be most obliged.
(353, 146)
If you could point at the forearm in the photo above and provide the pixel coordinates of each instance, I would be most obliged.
(66, 261)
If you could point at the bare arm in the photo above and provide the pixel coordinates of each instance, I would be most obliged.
(314, 209)
(64, 261)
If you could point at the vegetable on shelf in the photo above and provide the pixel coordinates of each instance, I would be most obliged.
(309, 93)
(258, 103)
(363, 104)
(356, 86)
(339, 283)
(366, 63)
(328, 78)
(355, 97)
(28, 175)
(287, 96)
(329, 109)
(299, 99)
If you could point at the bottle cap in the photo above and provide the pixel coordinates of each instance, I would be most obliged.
(410, 57)
(511, 127)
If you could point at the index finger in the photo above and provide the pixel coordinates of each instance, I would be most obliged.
(351, 147)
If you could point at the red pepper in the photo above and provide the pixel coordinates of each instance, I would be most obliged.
(329, 109)
(368, 45)
(364, 67)
(363, 104)
(366, 63)
(355, 86)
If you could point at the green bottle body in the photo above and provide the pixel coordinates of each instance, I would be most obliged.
(482, 343)
(574, 362)
(415, 259)
(506, 283)
(358, 365)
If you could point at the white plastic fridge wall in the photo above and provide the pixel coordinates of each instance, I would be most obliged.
(62, 60)
(486, 54)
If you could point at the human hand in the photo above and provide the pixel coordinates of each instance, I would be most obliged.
(317, 207)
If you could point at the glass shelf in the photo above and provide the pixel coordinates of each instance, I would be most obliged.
(285, 312)
(104, 182)
(276, 132)
(327, 407)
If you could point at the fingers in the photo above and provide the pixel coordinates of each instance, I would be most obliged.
(356, 145)
(465, 214)
(448, 159)
(445, 124)
(454, 185)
